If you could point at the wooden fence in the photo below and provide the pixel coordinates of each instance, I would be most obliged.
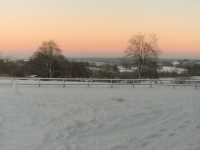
(90, 82)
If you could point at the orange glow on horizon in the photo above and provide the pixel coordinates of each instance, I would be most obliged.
(98, 28)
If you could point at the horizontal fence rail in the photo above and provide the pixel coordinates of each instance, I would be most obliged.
(64, 82)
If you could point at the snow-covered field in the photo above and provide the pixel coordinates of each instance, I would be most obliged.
(83, 118)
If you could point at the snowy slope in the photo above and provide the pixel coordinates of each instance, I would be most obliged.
(99, 118)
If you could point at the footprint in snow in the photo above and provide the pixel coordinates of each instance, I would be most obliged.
(118, 99)
(153, 136)
(172, 134)
(198, 126)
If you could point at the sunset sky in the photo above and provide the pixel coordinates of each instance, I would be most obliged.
(99, 27)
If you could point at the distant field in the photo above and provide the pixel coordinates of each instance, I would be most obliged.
(83, 118)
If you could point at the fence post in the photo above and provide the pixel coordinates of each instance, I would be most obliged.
(133, 85)
(39, 82)
(111, 81)
(151, 83)
(13, 83)
(196, 86)
(88, 83)
(64, 83)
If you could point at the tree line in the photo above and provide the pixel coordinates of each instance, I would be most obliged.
(49, 62)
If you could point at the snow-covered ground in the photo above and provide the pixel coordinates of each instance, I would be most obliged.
(83, 118)
(172, 69)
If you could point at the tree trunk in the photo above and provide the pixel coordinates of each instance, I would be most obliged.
(139, 71)
(50, 71)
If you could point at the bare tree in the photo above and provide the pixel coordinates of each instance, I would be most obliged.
(48, 54)
(144, 51)
(49, 48)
